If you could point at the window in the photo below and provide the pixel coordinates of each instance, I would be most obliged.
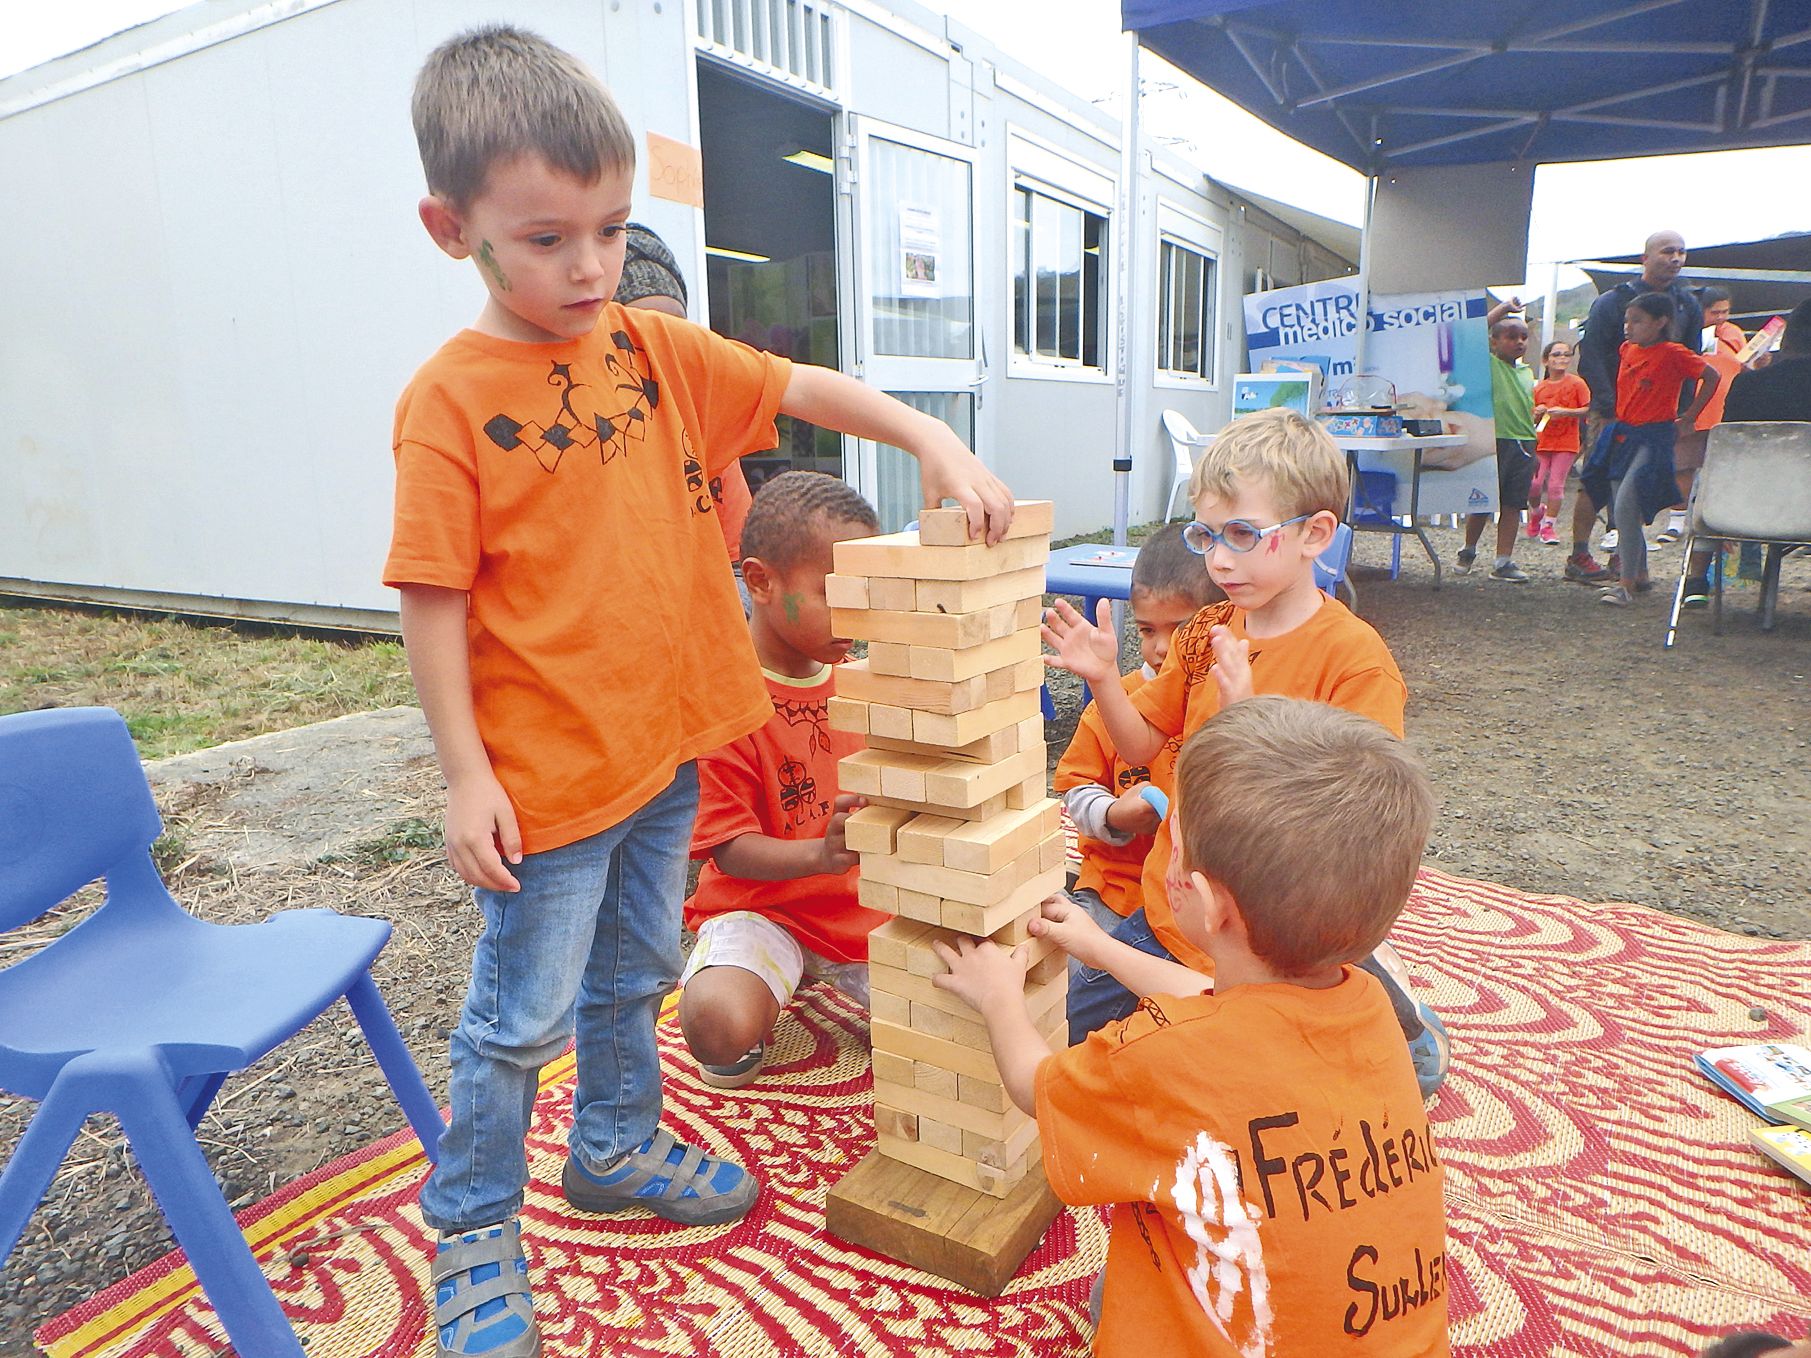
(1185, 316)
(1059, 280)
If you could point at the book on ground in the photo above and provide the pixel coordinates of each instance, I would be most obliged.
(1770, 1079)
(1791, 1146)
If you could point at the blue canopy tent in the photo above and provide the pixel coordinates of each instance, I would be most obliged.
(1413, 90)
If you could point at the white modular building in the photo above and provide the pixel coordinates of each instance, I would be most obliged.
(215, 284)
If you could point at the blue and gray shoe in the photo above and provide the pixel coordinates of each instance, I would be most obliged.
(668, 1178)
(482, 1307)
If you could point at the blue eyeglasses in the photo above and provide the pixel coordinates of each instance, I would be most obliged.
(1237, 535)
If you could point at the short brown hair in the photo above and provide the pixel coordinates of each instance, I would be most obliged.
(1286, 453)
(495, 93)
(1165, 568)
(1314, 818)
(792, 513)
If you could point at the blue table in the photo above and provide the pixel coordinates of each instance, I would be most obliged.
(1093, 572)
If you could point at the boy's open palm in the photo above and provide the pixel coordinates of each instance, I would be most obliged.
(1073, 930)
(479, 821)
(981, 974)
(1232, 665)
(1090, 650)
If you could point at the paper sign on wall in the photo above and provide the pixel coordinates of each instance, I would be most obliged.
(675, 171)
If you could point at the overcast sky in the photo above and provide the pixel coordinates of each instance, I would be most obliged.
(1581, 211)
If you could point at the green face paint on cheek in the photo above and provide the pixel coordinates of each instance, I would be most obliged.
(487, 260)
(791, 602)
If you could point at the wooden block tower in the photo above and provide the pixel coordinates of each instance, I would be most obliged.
(959, 837)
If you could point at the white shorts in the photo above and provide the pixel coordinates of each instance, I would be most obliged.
(755, 943)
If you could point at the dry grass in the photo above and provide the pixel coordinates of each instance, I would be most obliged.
(184, 686)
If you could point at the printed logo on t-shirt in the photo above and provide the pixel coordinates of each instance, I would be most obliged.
(813, 715)
(607, 416)
(1131, 778)
(798, 792)
(704, 499)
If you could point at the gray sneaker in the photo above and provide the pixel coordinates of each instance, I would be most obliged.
(738, 1073)
(1513, 573)
(1468, 557)
(668, 1178)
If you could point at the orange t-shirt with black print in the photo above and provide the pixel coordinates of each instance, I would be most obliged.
(1113, 870)
(1284, 1202)
(1335, 657)
(566, 488)
(1649, 379)
(781, 782)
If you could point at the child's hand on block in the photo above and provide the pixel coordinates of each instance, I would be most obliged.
(1074, 931)
(982, 975)
(955, 473)
(1089, 650)
(1232, 665)
(1132, 813)
(837, 857)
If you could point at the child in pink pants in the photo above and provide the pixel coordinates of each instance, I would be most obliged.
(1561, 400)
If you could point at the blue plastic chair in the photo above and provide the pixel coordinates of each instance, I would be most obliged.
(1330, 566)
(142, 1010)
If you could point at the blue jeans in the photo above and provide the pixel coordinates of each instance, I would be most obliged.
(593, 935)
(1095, 998)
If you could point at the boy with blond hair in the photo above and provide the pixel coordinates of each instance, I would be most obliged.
(1287, 1201)
(776, 898)
(576, 640)
(1268, 494)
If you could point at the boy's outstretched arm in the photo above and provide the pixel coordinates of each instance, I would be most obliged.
(1092, 651)
(991, 981)
(479, 817)
(1139, 972)
(763, 858)
(947, 469)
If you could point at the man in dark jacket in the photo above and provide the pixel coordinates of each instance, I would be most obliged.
(1599, 357)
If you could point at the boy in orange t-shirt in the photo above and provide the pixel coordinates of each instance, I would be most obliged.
(575, 637)
(1268, 493)
(776, 896)
(1287, 1201)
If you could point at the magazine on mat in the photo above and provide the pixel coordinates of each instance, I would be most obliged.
(1771, 1079)
(1791, 1146)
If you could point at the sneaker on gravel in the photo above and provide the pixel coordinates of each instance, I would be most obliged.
(1616, 597)
(1549, 534)
(482, 1307)
(737, 1073)
(1536, 523)
(1668, 535)
(1513, 573)
(669, 1178)
(1582, 567)
(1697, 592)
(1608, 541)
(1468, 557)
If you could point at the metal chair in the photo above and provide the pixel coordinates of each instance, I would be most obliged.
(1755, 486)
(142, 1010)
(1184, 438)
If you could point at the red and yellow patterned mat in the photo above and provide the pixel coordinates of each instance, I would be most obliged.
(1603, 1201)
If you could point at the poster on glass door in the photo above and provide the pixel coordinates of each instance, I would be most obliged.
(1432, 346)
(920, 242)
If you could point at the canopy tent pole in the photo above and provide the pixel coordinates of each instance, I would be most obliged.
(1128, 245)
(1364, 285)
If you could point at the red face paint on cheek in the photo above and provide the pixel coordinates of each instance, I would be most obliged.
(1275, 542)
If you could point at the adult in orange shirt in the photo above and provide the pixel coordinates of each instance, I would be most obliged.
(1561, 402)
(1267, 495)
(776, 895)
(1288, 1201)
(1631, 468)
(573, 630)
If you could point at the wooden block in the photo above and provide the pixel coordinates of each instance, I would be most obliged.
(970, 1089)
(885, 1008)
(934, 1079)
(974, 888)
(953, 1112)
(886, 773)
(897, 1069)
(985, 920)
(1050, 853)
(921, 841)
(846, 591)
(995, 1152)
(878, 896)
(974, 1239)
(934, 728)
(875, 829)
(933, 1021)
(936, 662)
(921, 906)
(903, 555)
(894, 1123)
(988, 845)
(855, 680)
(943, 1137)
(954, 631)
(903, 1041)
(1002, 683)
(993, 806)
(969, 596)
(890, 657)
(923, 990)
(949, 527)
(892, 942)
(1057, 964)
(965, 1172)
(1031, 731)
(959, 782)
(885, 722)
(894, 595)
(989, 749)
(848, 715)
(1028, 793)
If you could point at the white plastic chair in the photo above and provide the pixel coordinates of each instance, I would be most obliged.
(1184, 437)
(1755, 486)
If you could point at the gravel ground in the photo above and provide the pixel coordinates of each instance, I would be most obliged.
(1571, 753)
